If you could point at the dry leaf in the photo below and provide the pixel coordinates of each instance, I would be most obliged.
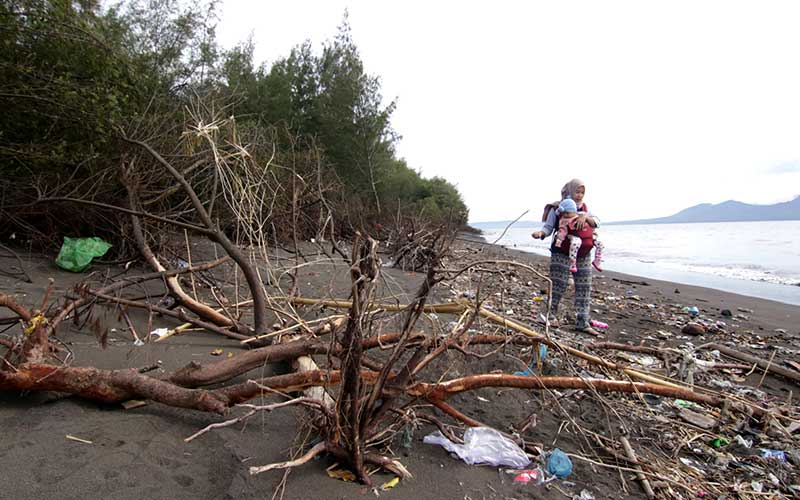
(343, 474)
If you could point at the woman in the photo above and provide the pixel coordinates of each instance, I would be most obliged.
(560, 261)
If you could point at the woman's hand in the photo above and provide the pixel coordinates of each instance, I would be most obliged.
(539, 235)
(582, 220)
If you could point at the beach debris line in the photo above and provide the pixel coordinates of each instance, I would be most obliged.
(765, 365)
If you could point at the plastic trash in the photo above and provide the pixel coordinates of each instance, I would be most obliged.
(692, 311)
(390, 483)
(559, 464)
(407, 437)
(530, 476)
(743, 442)
(598, 324)
(159, 332)
(718, 442)
(543, 320)
(780, 455)
(483, 445)
(77, 253)
(529, 371)
(691, 464)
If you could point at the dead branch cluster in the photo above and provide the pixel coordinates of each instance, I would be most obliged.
(410, 242)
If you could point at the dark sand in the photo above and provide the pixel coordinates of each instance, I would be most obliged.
(139, 454)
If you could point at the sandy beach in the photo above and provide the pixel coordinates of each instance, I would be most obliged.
(57, 446)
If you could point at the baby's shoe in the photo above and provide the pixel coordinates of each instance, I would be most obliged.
(596, 264)
(573, 266)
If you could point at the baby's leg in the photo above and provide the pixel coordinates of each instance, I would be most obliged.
(598, 255)
(574, 246)
(560, 235)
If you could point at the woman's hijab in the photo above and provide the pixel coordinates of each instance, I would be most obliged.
(569, 188)
(566, 192)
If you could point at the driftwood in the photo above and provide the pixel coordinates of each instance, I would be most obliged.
(116, 386)
(763, 364)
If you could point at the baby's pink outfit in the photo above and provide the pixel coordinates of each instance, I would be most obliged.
(564, 226)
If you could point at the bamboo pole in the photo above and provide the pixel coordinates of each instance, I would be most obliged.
(449, 308)
(181, 328)
(459, 307)
(639, 474)
(571, 350)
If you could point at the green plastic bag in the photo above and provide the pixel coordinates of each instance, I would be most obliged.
(77, 253)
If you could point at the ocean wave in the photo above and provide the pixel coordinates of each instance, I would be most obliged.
(748, 272)
(656, 253)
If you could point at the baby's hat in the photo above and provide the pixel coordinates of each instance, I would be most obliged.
(567, 205)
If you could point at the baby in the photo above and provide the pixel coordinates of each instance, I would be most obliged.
(567, 216)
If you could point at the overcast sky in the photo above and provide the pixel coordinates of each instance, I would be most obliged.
(657, 106)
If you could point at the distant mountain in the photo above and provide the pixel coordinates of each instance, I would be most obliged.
(503, 223)
(728, 211)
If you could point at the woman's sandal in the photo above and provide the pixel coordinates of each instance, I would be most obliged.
(590, 331)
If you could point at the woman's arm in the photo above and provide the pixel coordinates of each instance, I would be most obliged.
(587, 218)
(547, 228)
(594, 222)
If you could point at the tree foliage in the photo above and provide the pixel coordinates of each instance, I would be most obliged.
(330, 97)
(74, 74)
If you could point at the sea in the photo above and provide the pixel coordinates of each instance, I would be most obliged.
(757, 259)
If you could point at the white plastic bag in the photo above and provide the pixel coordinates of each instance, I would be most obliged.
(483, 445)
(159, 332)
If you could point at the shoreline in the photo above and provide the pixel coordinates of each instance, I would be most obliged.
(787, 294)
